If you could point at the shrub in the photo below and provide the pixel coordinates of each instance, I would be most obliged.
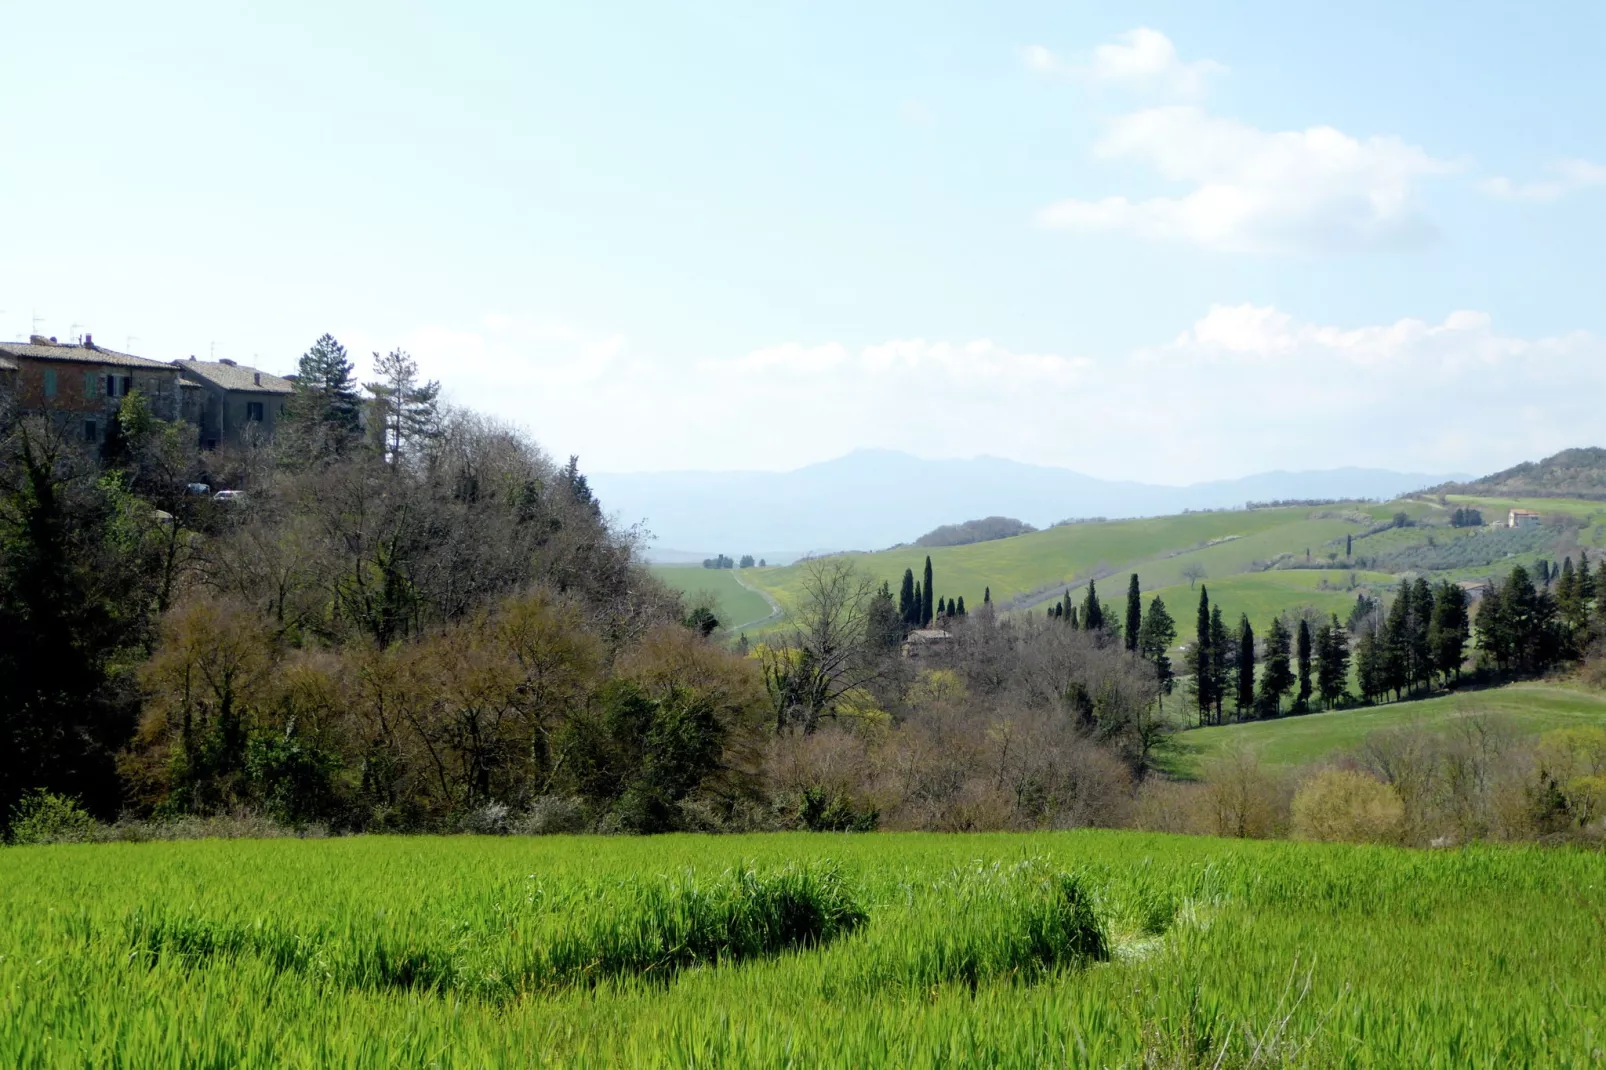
(552, 815)
(45, 818)
(1242, 798)
(1343, 805)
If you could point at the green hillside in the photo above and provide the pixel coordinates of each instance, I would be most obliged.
(1258, 561)
(734, 605)
(1288, 741)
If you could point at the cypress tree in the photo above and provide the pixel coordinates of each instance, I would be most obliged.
(1220, 657)
(1199, 661)
(931, 591)
(1349, 546)
(1245, 665)
(1421, 634)
(1369, 666)
(1134, 613)
(1395, 648)
(960, 609)
(1092, 611)
(1071, 616)
(1302, 652)
(919, 604)
(1586, 581)
(1332, 667)
(987, 596)
(1448, 634)
(906, 597)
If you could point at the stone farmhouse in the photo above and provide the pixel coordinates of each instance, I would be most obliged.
(81, 385)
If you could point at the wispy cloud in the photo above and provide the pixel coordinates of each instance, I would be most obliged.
(1567, 176)
(1314, 190)
(1143, 57)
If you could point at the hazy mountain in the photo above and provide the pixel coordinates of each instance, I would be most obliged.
(871, 499)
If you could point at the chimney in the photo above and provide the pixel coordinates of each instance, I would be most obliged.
(259, 378)
(38, 340)
(89, 341)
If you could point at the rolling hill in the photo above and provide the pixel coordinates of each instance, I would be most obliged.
(1575, 473)
(877, 498)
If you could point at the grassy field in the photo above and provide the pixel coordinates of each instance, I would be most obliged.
(1263, 595)
(1527, 708)
(735, 604)
(1067, 949)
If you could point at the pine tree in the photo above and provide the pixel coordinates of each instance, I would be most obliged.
(1134, 612)
(407, 411)
(1332, 666)
(1155, 633)
(1199, 659)
(1421, 634)
(1571, 608)
(1302, 649)
(1278, 676)
(1092, 611)
(1586, 580)
(1245, 664)
(931, 591)
(1369, 667)
(906, 598)
(1450, 629)
(323, 417)
(1395, 648)
(1071, 618)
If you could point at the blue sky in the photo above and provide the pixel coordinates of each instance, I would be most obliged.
(1159, 242)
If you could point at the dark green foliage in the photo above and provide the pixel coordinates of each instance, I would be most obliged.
(1332, 662)
(960, 610)
(927, 597)
(1302, 651)
(291, 778)
(987, 595)
(1155, 634)
(641, 755)
(702, 621)
(973, 531)
(1369, 671)
(907, 602)
(1134, 613)
(1349, 546)
(819, 812)
(405, 415)
(746, 562)
(1278, 676)
(323, 417)
(1466, 517)
(720, 561)
(1517, 626)
(1092, 609)
(1222, 659)
(1450, 629)
(884, 626)
(1244, 699)
(1199, 659)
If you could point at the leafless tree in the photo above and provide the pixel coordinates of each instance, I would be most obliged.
(827, 651)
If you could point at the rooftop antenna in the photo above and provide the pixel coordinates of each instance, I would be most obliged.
(73, 330)
(37, 320)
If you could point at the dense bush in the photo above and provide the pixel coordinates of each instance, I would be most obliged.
(1346, 806)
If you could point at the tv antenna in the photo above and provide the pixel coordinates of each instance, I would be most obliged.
(76, 334)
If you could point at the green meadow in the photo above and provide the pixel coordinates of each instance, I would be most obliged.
(1526, 709)
(734, 605)
(1084, 949)
(1263, 595)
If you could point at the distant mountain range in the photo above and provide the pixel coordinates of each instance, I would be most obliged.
(872, 499)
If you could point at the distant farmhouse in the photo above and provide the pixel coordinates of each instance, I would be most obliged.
(233, 401)
(1522, 518)
(81, 384)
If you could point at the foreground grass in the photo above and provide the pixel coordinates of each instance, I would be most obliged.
(1527, 708)
(1082, 949)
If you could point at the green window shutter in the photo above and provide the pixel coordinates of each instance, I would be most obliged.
(50, 382)
(91, 380)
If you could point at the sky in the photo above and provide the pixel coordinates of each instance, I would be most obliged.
(1161, 243)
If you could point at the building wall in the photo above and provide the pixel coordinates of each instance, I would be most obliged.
(80, 387)
(225, 415)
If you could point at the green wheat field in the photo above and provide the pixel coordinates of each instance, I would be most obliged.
(1065, 949)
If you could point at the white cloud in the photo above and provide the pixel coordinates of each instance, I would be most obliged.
(1245, 388)
(1313, 190)
(1568, 176)
(1142, 57)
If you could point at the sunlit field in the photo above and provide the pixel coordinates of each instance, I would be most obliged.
(1080, 949)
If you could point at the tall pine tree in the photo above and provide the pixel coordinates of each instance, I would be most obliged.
(1278, 676)
(1245, 665)
(1199, 659)
(1092, 611)
(1221, 658)
(931, 591)
(906, 599)
(323, 416)
(1302, 652)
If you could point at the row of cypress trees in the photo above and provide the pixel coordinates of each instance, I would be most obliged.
(918, 608)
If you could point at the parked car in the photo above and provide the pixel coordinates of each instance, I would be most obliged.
(235, 497)
(198, 489)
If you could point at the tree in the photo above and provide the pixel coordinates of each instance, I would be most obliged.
(323, 417)
(407, 410)
(1420, 635)
(906, 599)
(1450, 629)
(960, 609)
(1155, 633)
(1092, 610)
(1349, 545)
(1245, 665)
(829, 650)
(987, 596)
(746, 562)
(1199, 659)
(930, 593)
(1302, 648)
(1134, 612)
(1278, 676)
(1396, 643)
(1193, 572)
(919, 611)
(884, 625)
(1221, 660)
(1332, 665)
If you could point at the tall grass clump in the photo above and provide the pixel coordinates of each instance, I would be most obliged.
(647, 929)
(1016, 922)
